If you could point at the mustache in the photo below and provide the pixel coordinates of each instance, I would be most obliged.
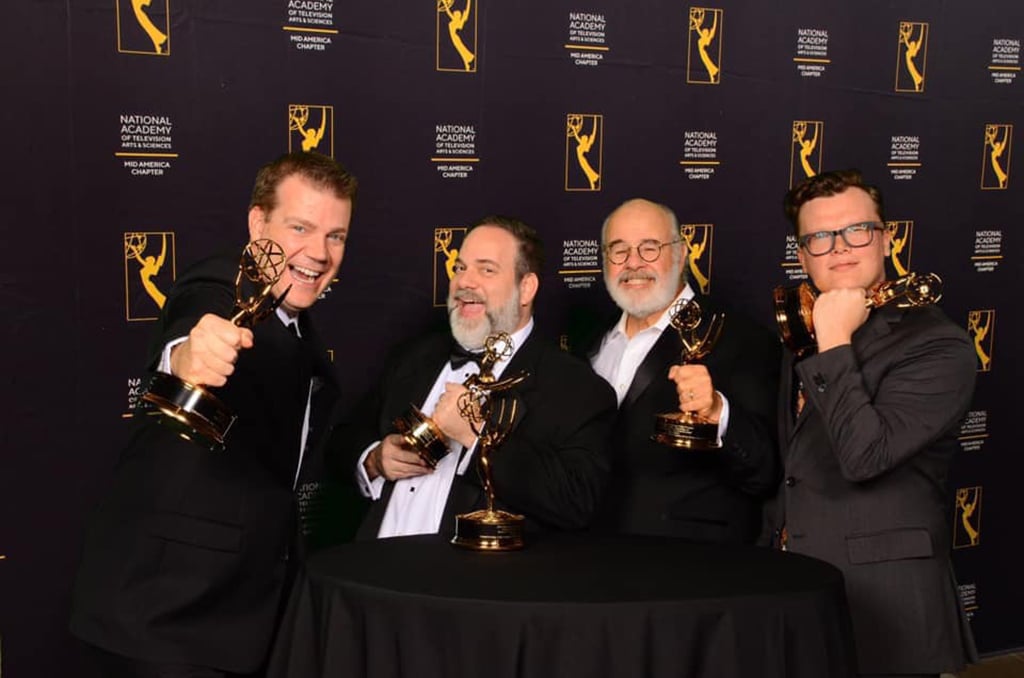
(626, 276)
(467, 295)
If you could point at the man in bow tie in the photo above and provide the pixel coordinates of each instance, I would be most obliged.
(553, 465)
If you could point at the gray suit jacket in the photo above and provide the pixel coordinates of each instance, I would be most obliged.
(865, 471)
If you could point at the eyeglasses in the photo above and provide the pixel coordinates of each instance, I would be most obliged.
(647, 250)
(855, 235)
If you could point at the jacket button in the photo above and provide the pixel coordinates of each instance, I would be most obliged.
(790, 481)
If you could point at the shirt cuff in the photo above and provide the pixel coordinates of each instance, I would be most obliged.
(368, 488)
(723, 417)
(165, 357)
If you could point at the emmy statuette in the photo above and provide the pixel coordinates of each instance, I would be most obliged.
(690, 430)
(195, 413)
(491, 414)
(421, 433)
(794, 305)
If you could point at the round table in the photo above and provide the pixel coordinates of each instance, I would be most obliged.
(567, 605)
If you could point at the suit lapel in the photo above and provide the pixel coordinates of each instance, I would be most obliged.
(422, 371)
(664, 352)
(523, 362)
(667, 350)
(787, 395)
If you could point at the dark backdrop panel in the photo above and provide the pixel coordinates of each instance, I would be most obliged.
(120, 150)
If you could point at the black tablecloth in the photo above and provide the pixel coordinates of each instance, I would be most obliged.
(564, 606)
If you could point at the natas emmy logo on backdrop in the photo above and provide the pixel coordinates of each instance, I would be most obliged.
(704, 46)
(143, 27)
(967, 526)
(149, 271)
(311, 128)
(901, 240)
(911, 56)
(583, 151)
(456, 35)
(807, 141)
(995, 164)
(981, 325)
(699, 241)
(447, 242)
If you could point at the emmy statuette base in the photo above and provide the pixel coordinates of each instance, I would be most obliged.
(486, 530)
(196, 414)
(686, 431)
(421, 434)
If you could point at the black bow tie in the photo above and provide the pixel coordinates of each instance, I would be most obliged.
(460, 357)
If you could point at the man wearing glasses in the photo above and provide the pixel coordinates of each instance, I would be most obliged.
(701, 495)
(867, 443)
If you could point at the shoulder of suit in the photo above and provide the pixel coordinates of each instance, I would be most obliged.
(928, 320)
(549, 355)
(206, 286)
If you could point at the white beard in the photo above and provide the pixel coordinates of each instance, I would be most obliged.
(643, 303)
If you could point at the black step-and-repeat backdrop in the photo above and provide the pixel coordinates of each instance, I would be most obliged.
(134, 129)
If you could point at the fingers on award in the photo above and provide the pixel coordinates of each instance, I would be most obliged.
(794, 305)
(490, 408)
(190, 409)
(697, 334)
(421, 433)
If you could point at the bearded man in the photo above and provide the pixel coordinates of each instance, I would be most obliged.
(702, 495)
(552, 467)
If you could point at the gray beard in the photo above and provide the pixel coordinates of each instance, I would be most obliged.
(472, 334)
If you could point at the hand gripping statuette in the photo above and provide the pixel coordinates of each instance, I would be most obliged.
(691, 430)
(193, 411)
(491, 413)
(794, 305)
(421, 433)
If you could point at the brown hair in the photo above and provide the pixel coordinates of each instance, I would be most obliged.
(825, 185)
(318, 169)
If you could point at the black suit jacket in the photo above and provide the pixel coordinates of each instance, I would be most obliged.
(186, 557)
(554, 464)
(708, 496)
(866, 467)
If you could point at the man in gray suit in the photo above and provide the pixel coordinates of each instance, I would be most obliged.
(867, 428)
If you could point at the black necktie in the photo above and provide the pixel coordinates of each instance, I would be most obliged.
(460, 357)
(293, 327)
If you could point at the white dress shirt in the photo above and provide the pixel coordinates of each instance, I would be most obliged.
(417, 504)
(620, 356)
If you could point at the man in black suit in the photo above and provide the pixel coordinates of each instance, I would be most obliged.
(701, 495)
(186, 559)
(552, 467)
(868, 425)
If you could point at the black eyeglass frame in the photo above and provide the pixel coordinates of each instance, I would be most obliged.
(629, 248)
(870, 226)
